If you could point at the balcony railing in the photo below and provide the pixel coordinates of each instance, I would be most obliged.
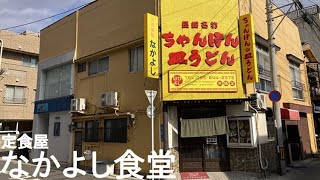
(14, 100)
(311, 10)
(315, 93)
(313, 77)
(264, 72)
(297, 85)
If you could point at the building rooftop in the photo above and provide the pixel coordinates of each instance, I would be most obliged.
(26, 42)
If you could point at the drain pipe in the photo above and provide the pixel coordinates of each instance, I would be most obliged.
(264, 168)
(1, 52)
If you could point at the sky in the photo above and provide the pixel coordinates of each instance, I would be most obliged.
(16, 12)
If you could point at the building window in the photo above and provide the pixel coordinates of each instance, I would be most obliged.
(58, 82)
(82, 67)
(136, 59)
(56, 129)
(15, 94)
(115, 130)
(264, 83)
(295, 75)
(240, 132)
(99, 65)
(29, 61)
(92, 131)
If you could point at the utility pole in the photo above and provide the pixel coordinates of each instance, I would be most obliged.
(274, 82)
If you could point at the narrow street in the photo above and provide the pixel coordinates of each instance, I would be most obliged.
(306, 170)
(54, 174)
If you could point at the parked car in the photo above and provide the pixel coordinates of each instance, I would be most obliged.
(24, 152)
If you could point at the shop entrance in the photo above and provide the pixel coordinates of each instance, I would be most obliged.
(208, 154)
(293, 143)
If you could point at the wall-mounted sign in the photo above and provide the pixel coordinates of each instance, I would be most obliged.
(43, 107)
(212, 140)
(248, 49)
(53, 105)
(151, 46)
(200, 50)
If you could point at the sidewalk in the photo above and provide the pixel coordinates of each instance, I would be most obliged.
(308, 169)
(230, 175)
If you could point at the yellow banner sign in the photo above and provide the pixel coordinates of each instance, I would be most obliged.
(248, 49)
(200, 50)
(151, 46)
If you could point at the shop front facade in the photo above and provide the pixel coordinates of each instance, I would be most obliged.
(215, 129)
(209, 114)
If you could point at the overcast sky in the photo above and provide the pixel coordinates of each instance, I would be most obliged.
(16, 12)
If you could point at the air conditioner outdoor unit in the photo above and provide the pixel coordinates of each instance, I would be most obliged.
(259, 101)
(78, 105)
(109, 99)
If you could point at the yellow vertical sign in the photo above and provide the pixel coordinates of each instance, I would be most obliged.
(248, 49)
(151, 46)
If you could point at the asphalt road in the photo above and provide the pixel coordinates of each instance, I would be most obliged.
(304, 170)
(54, 174)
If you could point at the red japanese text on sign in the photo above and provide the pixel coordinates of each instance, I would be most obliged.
(212, 39)
(249, 64)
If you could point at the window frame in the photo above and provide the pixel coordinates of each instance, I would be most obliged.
(61, 92)
(295, 66)
(93, 138)
(56, 128)
(116, 134)
(23, 100)
(29, 63)
(264, 70)
(98, 61)
(81, 67)
(131, 68)
(235, 133)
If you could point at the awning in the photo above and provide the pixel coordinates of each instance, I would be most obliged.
(203, 127)
(289, 114)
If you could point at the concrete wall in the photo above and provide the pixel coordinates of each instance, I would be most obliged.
(40, 126)
(310, 34)
(60, 146)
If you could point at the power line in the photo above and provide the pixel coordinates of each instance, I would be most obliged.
(32, 22)
(312, 2)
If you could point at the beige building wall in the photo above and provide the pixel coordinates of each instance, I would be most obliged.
(108, 28)
(58, 38)
(104, 25)
(288, 39)
(113, 38)
(16, 73)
